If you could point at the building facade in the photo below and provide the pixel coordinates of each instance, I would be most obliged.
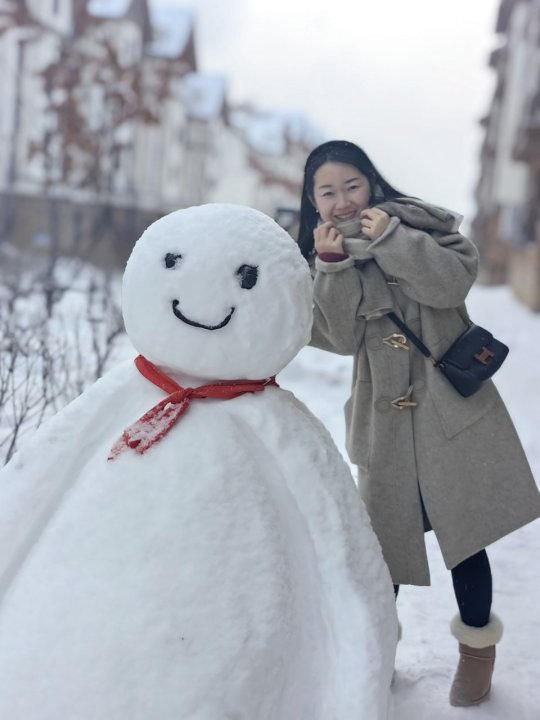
(106, 123)
(507, 223)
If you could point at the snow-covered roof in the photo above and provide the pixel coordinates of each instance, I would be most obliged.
(203, 95)
(268, 132)
(171, 29)
(108, 8)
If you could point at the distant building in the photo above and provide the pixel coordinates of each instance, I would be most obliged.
(106, 123)
(507, 224)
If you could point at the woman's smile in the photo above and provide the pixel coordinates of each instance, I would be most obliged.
(346, 216)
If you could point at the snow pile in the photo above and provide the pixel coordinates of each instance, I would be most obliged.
(230, 571)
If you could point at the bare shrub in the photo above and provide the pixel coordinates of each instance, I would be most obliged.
(50, 352)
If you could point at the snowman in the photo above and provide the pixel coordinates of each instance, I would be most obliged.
(184, 541)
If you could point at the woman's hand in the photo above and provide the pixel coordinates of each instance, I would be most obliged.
(328, 239)
(374, 222)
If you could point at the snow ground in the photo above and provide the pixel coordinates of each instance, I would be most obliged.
(427, 653)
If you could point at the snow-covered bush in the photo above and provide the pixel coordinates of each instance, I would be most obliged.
(60, 326)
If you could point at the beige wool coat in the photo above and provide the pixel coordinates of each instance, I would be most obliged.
(459, 457)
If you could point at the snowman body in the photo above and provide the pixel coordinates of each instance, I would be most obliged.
(228, 572)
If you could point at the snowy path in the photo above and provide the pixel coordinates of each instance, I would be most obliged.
(427, 654)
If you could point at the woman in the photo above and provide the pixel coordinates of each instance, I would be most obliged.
(427, 457)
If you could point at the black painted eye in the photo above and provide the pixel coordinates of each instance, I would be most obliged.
(248, 275)
(172, 260)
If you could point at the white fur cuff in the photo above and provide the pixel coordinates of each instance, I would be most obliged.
(477, 637)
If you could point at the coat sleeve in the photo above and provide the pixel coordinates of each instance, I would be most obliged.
(433, 269)
(337, 292)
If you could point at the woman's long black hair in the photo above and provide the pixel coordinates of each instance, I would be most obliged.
(344, 152)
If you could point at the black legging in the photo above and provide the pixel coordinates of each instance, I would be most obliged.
(473, 589)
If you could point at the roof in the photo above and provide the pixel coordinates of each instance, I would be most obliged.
(108, 8)
(266, 135)
(269, 132)
(172, 27)
(203, 95)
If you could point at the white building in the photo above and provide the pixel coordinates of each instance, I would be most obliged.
(507, 224)
(106, 123)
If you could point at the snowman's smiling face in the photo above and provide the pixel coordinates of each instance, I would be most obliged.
(193, 323)
(247, 277)
(217, 292)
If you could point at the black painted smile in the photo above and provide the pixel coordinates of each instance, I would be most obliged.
(193, 323)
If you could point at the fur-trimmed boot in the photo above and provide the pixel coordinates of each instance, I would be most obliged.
(472, 681)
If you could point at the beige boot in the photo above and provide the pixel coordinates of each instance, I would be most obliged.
(472, 681)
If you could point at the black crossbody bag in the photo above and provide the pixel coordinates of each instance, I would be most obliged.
(471, 359)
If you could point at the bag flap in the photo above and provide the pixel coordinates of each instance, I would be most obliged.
(474, 341)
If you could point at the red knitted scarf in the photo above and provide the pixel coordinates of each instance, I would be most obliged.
(154, 424)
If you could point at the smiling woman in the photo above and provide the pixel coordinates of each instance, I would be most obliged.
(341, 185)
(428, 459)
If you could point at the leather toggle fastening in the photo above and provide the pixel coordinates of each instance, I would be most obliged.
(398, 341)
(404, 401)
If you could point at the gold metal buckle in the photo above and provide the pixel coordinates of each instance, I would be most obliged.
(397, 341)
(404, 401)
(484, 356)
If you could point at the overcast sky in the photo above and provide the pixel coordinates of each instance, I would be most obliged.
(406, 79)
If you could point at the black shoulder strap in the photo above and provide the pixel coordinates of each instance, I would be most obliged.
(412, 337)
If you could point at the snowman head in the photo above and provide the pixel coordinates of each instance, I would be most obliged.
(218, 292)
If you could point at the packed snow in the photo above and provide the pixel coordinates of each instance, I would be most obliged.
(231, 570)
